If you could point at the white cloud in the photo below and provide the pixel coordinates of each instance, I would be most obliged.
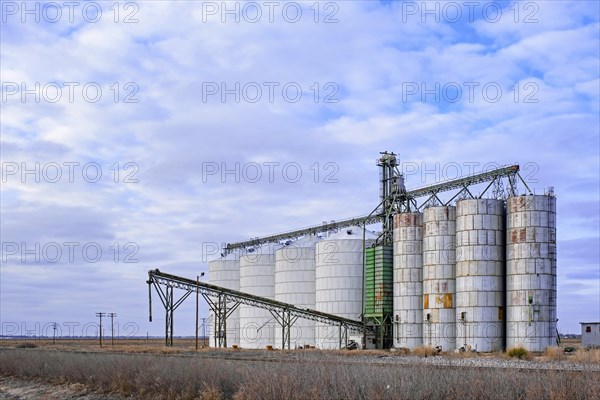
(372, 55)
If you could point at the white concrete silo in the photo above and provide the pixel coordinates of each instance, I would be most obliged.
(408, 280)
(439, 286)
(480, 274)
(225, 272)
(339, 280)
(531, 272)
(257, 277)
(295, 284)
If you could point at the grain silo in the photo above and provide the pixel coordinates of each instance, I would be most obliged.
(379, 294)
(295, 284)
(439, 286)
(225, 272)
(480, 274)
(408, 280)
(531, 272)
(257, 277)
(339, 280)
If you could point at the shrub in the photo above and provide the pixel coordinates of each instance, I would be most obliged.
(403, 351)
(424, 351)
(554, 353)
(26, 345)
(518, 352)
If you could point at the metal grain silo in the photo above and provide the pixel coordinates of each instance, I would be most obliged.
(439, 263)
(339, 280)
(295, 284)
(225, 272)
(408, 280)
(480, 274)
(531, 272)
(257, 277)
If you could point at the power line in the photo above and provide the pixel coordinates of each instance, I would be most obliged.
(54, 327)
(112, 328)
(100, 315)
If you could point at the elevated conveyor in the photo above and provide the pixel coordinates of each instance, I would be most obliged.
(408, 201)
(224, 301)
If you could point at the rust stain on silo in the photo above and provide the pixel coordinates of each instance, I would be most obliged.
(406, 219)
(448, 300)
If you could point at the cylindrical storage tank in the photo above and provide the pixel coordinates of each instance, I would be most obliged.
(225, 272)
(439, 271)
(531, 272)
(339, 281)
(295, 284)
(257, 277)
(480, 273)
(408, 280)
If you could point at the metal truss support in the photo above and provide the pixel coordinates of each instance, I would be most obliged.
(499, 192)
(460, 194)
(512, 181)
(286, 321)
(392, 193)
(222, 307)
(343, 336)
(512, 186)
(383, 330)
(223, 302)
(166, 298)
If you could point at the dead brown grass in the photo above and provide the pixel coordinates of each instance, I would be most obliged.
(554, 353)
(586, 356)
(424, 351)
(461, 354)
(210, 393)
(306, 375)
(345, 352)
(93, 343)
(151, 346)
(568, 342)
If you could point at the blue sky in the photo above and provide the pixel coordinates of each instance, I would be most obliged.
(129, 120)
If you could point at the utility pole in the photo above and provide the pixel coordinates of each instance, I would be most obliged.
(112, 328)
(100, 315)
(197, 295)
(54, 326)
(204, 329)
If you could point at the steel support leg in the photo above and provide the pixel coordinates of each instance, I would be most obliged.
(169, 316)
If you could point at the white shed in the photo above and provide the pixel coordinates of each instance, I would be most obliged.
(590, 334)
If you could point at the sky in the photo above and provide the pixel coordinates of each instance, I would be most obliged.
(142, 135)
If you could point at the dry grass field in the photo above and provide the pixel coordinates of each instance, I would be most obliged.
(126, 345)
(147, 370)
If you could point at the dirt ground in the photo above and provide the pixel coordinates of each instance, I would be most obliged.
(22, 389)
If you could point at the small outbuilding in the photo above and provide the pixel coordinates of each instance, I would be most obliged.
(590, 334)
